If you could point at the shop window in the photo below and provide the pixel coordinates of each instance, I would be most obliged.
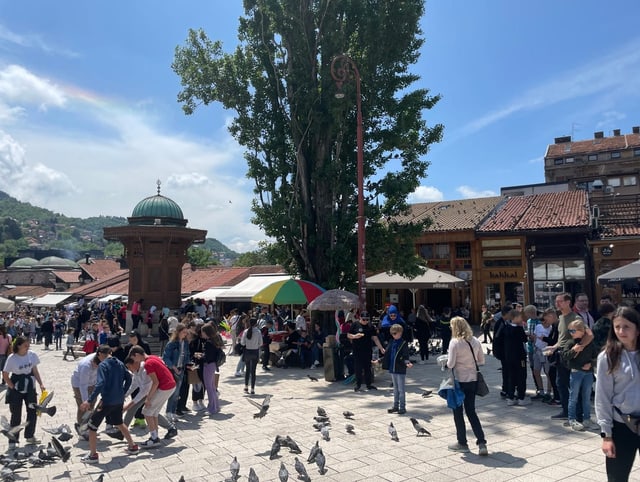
(615, 155)
(441, 251)
(629, 180)
(502, 263)
(613, 181)
(426, 251)
(593, 157)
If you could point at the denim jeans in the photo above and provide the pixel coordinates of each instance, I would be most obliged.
(469, 405)
(398, 389)
(172, 403)
(580, 384)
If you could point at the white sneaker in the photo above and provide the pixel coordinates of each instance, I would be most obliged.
(576, 426)
(238, 374)
(588, 424)
(511, 402)
(524, 402)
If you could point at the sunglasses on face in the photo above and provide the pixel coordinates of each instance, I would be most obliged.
(573, 331)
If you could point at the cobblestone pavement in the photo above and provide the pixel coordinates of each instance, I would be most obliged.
(524, 444)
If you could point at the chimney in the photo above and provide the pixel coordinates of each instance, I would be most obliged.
(598, 135)
(636, 129)
(616, 132)
(86, 258)
(562, 140)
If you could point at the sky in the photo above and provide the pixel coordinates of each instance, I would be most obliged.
(89, 118)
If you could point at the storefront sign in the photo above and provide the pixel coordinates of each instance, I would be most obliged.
(441, 285)
(503, 275)
(606, 251)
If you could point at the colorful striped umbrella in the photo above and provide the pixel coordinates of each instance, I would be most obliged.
(288, 292)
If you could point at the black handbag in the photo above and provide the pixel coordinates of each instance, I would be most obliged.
(482, 389)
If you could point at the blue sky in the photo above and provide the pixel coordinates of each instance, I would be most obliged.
(89, 118)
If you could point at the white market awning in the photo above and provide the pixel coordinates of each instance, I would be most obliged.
(432, 278)
(107, 298)
(210, 294)
(49, 300)
(245, 290)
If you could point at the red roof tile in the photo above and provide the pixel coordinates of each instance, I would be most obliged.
(99, 268)
(68, 276)
(459, 215)
(26, 291)
(614, 143)
(555, 210)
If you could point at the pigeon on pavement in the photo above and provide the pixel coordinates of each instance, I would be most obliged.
(427, 393)
(235, 469)
(314, 451)
(321, 412)
(283, 473)
(275, 448)
(419, 428)
(263, 407)
(302, 472)
(253, 477)
(350, 429)
(320, 462)
(348, 414)
(393, 432)
(313, 379)
(321, 419)
(325, 433)
(292, 445)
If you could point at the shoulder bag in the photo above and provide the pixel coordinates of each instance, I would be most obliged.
(481, 387)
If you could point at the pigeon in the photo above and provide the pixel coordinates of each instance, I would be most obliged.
(42, 407)
(263, 407)
(59, 449)
(313, 379)
(321, 412)
(488, 351)
(275, 448)
(426, 393)
(419, 428)
(11, 432)
(325, 433)
(318, 426)
(63, 432)
(302, 472)
(42, 455)
(253, 477)
(84, 422)
(235, 469)
(283, 473)
(36, 461)
(101, 478)
(321, 419)
(7, 475)
(314, 451)
(292, 445)
(350, 429)
(320, 461)
(393, 432)
(347, 414)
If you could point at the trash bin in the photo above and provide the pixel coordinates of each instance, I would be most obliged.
(333, 369)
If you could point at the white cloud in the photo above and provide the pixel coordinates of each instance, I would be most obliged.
(32, 41)
(182, 180)
(19, 86)
(425, 194)
(467, 192)
(615, 74)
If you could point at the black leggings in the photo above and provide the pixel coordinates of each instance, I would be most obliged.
(251, 362)
(627, 444)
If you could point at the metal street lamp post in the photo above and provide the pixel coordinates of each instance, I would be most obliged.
(344, 69)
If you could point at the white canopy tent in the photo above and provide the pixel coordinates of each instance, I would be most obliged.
(209, 294)
(244, 291)
(49, 300)
(6, 305)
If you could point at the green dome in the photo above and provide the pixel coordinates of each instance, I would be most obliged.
(55, 262)
(157, 209)
(23, 263)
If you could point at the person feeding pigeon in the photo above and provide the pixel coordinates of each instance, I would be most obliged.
(396, 360)
(20, 374)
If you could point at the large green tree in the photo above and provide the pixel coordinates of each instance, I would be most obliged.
(300, 140)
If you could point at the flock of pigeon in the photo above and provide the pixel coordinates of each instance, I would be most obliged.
(316, 455)
(34, 456)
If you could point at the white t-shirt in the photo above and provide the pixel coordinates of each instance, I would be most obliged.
(301, 323)
(172, 321)
(540, 332)
(21, 364)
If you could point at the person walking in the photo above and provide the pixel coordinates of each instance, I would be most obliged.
(465, 351)
(618, 394)
(20, 374)
(251, 341)
(423, 333)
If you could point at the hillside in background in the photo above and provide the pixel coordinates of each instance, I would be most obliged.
(23, 226)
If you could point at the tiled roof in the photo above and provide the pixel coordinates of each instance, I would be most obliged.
(619, 216)
(615, 143)
(200, 279)
(113, 283)
(28, 291)
(459, 215)
(555, 210)
(68, 276)
(99, 268)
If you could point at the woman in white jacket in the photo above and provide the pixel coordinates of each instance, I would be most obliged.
(618, 393)
(464, 352)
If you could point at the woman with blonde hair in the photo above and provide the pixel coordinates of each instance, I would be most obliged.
(465, 351)
(176, 357)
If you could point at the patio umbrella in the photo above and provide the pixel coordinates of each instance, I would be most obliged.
(288, 292)
(334, 300)
(628, 272)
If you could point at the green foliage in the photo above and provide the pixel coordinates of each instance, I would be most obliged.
(266, 254)
(300, 141)
(200, 257)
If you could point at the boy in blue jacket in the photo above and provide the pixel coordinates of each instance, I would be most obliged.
(396, 360)
(112, 384)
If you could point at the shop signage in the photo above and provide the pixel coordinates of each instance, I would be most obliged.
(503, 275)
(606, 251)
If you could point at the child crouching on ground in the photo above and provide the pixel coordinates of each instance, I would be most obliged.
(581, 360)
(396, 360)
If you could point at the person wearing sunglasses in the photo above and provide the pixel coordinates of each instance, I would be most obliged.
(581, 362)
